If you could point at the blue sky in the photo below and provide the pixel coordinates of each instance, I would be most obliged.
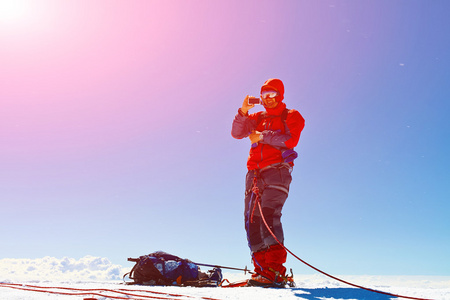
(116, 118)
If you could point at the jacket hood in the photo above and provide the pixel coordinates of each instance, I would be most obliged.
(275, 84)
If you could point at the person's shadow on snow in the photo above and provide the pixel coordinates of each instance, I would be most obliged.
(339, 293)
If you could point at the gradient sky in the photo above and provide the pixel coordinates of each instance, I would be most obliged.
(115, 120)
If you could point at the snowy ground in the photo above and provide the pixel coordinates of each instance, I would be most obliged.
(102, 279)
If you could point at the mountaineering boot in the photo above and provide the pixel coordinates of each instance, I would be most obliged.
(260, 281)
(269, 269)
(275, 257)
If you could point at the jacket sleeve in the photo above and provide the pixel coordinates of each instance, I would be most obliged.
(242, 126)
(294, 123)
(275, 138)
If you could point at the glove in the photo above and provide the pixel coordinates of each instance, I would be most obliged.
(289, 155)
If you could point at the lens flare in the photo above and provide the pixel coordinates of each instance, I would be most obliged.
(12, 11)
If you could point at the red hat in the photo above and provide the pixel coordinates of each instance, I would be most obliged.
(274, 84)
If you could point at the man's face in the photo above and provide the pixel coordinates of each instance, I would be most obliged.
(269, 102)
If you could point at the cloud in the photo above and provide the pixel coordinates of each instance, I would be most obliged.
(88, 268)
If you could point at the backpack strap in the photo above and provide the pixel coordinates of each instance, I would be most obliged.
(263, 115)
(283, 117)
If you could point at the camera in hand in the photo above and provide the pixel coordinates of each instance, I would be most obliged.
(254, 100)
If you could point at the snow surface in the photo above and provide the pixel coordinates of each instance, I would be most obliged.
(99, 273)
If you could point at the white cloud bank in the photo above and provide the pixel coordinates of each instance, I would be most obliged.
(88, 268)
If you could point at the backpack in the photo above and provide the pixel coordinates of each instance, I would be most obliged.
(161, 268)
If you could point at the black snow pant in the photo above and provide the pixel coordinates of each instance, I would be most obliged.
(273, 184)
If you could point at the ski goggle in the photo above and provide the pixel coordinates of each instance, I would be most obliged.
(269, 94)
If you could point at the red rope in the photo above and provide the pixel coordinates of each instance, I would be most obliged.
(95, 292)
(255, 191)
(69, 294)
(326, 274)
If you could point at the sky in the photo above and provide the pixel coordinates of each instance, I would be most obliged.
(115, 121)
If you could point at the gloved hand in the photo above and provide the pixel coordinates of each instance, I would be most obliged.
(255, 137)
(289, 155)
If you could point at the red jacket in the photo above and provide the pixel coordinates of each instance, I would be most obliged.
(277, 135)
